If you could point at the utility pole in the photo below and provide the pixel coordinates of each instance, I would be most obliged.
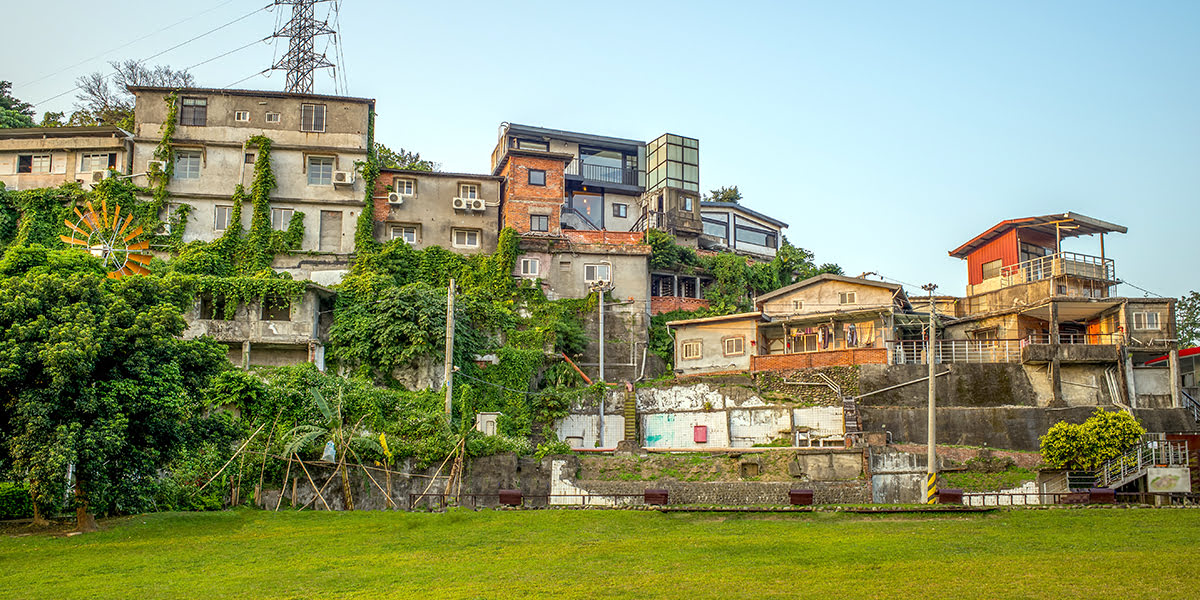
(600, 288)
(930, 357)
(449, 373)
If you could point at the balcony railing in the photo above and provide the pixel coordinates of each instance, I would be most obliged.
(1088, 339)
(602, 173)
(671, 222)
(1059, 265)
(915, 352)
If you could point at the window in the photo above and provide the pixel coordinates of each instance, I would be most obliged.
(187, 164)
(758, 237)
(520, 144)
(211, 308)
(241, 115)
(537, 177)
(312, 117)
(193, 111)
(408, 233)
(717, 229)
(734, 346)
(539, 223)
(690, 350)
(98, 162)
(530, 266)
(797, 305)
(276, 308)
(847, 298)
(33, 163)
(620, 210)
(596, 273)
(320, 170)
(1146, 321)
(992, 268)
(249, 158)
(405, 187)
(465, 238)
(280, 218)
(687, 203)
(272, 117)
(468, 190)
(221, 220)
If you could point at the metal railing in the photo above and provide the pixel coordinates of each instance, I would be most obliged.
(1087, 339)
(1075, 497)
(1154, 451)
(914, 352)
(1058, 265)
(570, 213)
(667, 221)
(602, 173)
(1189, 402)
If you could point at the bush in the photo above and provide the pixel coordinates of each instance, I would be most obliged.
(14, 501)
(1104, 436)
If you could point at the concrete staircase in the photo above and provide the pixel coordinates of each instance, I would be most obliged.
(1152, 452)
(631, 416)
(851, 417)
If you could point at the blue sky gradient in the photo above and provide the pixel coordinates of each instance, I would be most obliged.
(884, 133)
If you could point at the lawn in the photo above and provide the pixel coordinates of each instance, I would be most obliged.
(1078, 553)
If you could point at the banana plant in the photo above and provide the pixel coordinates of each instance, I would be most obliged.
(334, 430)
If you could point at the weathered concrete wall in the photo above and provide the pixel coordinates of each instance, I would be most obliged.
(897, 477)
(972, 385)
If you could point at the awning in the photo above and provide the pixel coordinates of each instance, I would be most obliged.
(1071, 310)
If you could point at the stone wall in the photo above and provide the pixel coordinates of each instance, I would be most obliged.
(827, 358)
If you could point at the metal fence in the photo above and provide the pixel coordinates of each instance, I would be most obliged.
(915, 352)
(1060, 264)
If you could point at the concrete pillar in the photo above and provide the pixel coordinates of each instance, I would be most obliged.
(1133, 403)
(1055, 375)
(246, 354)
(1173, 363)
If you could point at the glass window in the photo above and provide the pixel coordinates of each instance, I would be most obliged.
(691, 350)
(687, 204)
(716, 228)
(280, 218)
(468, 190)
(241, 115)
(312, 117)
(193, 111)
(758, 237)
(249, 158)
(597, 272)
(466, 238)
(539, 223)
(531, 145)
(735, 346)
(187, 164)
(405, 187)
(221, 220)
(272, 117)
(1146, 321)
(591, 206)
(530, 266)
(537, 177)
(408, 233)
(992, 268)
(98, 162)
(620, 210)
(847, 297)
(320, 170)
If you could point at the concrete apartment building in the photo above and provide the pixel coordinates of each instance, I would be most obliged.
(40, 157)
(457, 211)
(316, 142)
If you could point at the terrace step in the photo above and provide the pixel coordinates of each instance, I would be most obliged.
(631, 415)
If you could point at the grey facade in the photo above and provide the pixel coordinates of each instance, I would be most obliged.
(457, 211)
(42, 157)
(268, 332)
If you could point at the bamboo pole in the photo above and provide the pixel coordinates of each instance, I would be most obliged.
(386, 493)
(235, 455)
(313, 484)
(283, 487)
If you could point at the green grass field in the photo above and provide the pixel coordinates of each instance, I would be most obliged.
(1083, 553)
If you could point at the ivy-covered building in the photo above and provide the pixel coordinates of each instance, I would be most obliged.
(316, 144)
(42, 157)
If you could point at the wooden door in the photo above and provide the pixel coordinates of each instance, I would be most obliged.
(331, 231)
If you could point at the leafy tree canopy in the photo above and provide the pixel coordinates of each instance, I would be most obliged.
(403, 159)
(104, 100)
(14, 113)
(1087, 446)
(725, 194)
(1187, 314)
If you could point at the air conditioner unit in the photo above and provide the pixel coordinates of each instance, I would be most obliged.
(394, 198)
(151, 166)
(98, 176)
(477, 204)
(461, 203)
(343, 177)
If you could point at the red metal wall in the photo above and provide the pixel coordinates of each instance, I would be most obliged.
(1003, 248)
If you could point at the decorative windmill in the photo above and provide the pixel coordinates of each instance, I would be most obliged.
(106, 239)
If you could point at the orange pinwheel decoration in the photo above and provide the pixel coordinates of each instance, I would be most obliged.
(108, 238)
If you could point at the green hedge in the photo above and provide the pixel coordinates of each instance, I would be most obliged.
(14, 501)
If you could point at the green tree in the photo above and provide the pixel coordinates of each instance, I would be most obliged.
(725, 194)
(104, 100)
(403, 159)
(52, 119)
(13, 112)
(1087, 446)
(1187, 316)
(94, 374)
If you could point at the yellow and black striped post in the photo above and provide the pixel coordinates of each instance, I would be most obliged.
(931, 490)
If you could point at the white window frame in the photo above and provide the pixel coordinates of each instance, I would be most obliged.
(87, 161)
(466, 236)
(241, 116)
(691, 350)
(34, 159)
(1145, 317)
(308, 162)
(272, 117)
(405, 186)
(196, 155)
(530, 267)
(594, 270)
(408, 233)
(280, 222)
(220, 210)
(468, 190)
(308, 124)
(847, 297)
(740, 345)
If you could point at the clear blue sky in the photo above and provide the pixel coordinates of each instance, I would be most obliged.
(884, 133)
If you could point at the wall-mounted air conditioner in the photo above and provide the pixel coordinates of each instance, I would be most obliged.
(477, 204)
(98, 176)
(394, 198)
(462, 203)
(343, 177)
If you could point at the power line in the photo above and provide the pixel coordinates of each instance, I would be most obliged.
(1143, 289)
(301, 58)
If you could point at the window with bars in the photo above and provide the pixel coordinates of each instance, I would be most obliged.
(193, 111)
(312, 117)
(691, 350)
(847, 298)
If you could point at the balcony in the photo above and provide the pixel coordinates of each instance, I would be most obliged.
(601, 174)
(1071, 348)
(915, 352)
(676, 222)
(1062, 264)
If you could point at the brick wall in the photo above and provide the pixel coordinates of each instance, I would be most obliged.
(664, 304)
(522, 199)
(812, 360)
(606, 237)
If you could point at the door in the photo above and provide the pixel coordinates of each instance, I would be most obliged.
(331, 231)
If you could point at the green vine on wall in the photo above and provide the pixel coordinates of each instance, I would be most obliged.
(364, 231)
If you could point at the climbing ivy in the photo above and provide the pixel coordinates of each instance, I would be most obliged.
(364, 230)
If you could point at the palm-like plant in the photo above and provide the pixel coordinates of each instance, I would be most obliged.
(334, 430)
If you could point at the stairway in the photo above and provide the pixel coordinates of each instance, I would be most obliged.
(631, 416)
(850, 416)
(1134, 463)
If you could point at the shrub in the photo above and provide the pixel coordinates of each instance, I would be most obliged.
(1104, 436)
(14, 501)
